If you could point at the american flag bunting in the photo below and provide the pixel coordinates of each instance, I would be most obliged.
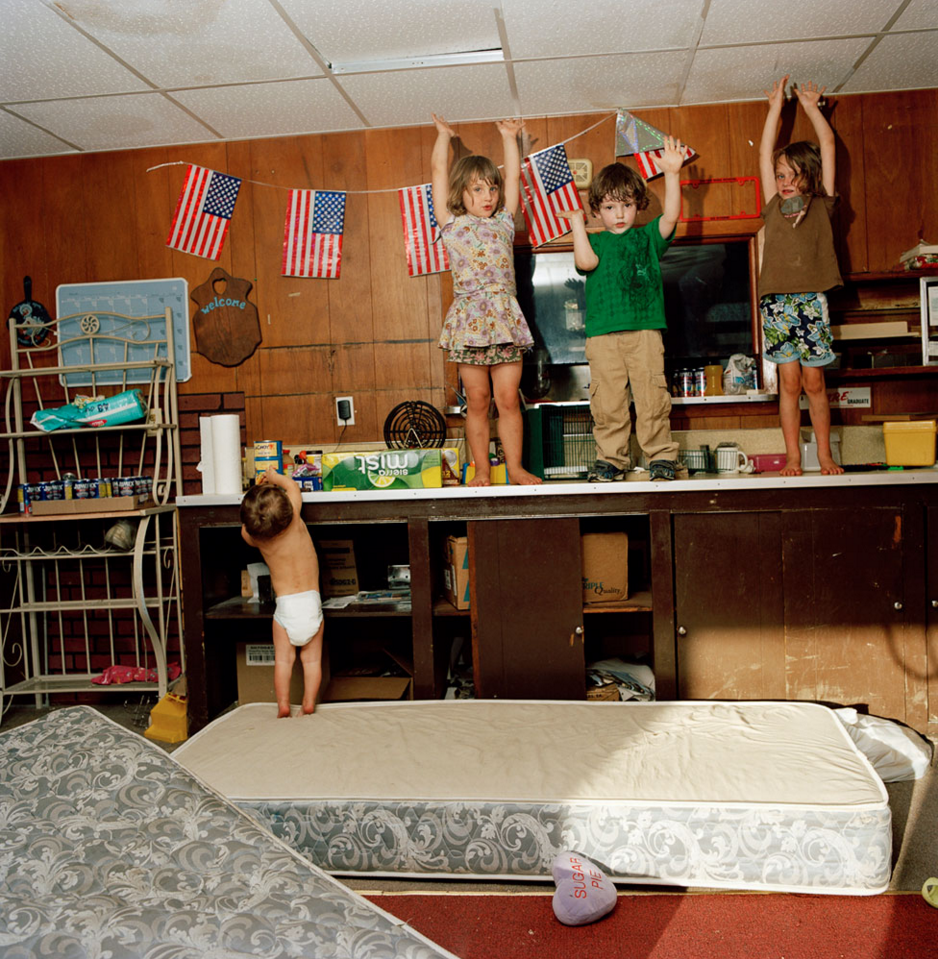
(203, 212)
(312, 234)
(425, 250)
(547, 187)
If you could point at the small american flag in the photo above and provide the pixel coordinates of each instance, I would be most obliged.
(547, 187)
(648, 161)
(312, 235)
(203, 212)
(425, 251)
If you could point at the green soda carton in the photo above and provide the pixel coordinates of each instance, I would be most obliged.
(383, 469)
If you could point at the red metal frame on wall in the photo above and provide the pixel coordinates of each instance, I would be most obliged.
(739, 181)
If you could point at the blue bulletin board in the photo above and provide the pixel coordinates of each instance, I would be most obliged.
(131, 298)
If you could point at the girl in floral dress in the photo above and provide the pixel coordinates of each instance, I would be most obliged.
(484, 331)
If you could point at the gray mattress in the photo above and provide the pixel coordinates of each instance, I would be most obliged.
(110, 848)
(704, 794)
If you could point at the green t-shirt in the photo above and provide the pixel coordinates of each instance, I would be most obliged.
(624, 292)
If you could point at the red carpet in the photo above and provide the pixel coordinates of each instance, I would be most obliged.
(729, 926)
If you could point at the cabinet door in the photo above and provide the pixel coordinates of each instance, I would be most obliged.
(931, 617)
(728, 606)
(845, 621)
(527, 608)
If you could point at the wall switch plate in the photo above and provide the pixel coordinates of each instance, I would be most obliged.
(345, 411)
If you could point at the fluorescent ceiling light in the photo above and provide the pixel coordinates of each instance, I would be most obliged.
(469, 58)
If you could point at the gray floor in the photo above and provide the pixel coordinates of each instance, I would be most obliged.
(914, 808)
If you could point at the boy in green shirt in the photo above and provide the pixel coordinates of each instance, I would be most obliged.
(625, 316)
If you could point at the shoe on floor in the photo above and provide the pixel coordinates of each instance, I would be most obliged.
(930, 892)
(603, 472)
(661, 469)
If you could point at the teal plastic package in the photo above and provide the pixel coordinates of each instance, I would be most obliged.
(126, 407)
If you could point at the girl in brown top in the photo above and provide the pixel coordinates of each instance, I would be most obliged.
(798, 264)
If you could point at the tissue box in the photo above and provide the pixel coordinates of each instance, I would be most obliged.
(383, 469)
(910, 443)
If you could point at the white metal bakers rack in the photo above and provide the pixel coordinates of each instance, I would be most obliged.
(71, 603)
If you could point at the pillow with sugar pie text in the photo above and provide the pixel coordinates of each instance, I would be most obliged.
(584, 894)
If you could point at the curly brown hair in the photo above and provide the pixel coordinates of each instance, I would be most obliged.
(618, 182)
(464, 172)
(266, 511)
(804, 157)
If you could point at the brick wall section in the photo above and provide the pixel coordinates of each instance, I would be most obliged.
(191, 407)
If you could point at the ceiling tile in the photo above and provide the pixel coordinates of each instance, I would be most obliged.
(22, 139)
(116, 123)
(42, 57)
(176, 43)
(598, 83)
(918, 15)
(732, 21)
(410, 96)
(555, 28)
(271, 109)
(743, 73)
(362, 30)
(907, 61)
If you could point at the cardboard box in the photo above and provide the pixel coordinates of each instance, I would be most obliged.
(605, 570)
(910, 443)
(255, 666)
(456, 570)
(105, 504)
(383, 469)
(367, 683)
(338, 575)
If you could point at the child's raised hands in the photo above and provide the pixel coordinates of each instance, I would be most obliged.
(510, 128)
(571, 215)
(442, 126)
(777, 94)
(672, 158)
(809, 94)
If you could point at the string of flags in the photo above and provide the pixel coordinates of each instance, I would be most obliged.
(315, 219)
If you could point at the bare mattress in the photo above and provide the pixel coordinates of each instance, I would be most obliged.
(753, 795)
(110, 848)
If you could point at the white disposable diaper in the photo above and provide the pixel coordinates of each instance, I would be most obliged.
(300, 614)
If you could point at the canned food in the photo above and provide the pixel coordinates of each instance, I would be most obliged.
(22, 498)
(123, 486)
(34, 491)
(103, 487)
(83, 489)
(700, 381)
(55, 489)
(68, 487)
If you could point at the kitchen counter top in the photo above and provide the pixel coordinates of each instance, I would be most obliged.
(635, 483)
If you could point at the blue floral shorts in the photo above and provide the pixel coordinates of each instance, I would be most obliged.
(796, 327)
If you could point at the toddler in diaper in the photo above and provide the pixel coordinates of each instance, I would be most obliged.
(271, 521)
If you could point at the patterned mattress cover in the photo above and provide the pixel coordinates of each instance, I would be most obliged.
(735, 795)
(110, 848)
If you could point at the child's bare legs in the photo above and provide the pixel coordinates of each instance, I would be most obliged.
(506, 378)
(475, 381)
(284, 658)
(311, 660)
(789, 392)
(815, 389)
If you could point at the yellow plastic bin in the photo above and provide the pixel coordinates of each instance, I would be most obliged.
(910, 443)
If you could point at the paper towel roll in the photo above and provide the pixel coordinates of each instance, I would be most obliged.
(226, 453)
(207, 454)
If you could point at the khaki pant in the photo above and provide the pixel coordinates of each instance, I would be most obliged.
(629, 366)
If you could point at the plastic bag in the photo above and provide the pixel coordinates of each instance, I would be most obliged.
(896, 752)
(114, 410)
(739, 375)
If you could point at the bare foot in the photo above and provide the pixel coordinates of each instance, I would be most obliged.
(792, 467)
(309, 710)
(521, 477)
(478, 480)
(828, 466)
(283, 712)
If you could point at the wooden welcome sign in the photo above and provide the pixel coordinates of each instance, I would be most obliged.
(227, 330)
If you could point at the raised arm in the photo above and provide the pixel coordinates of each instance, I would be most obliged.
(439, 170)
(511, 174)
(809, 97)
(287, 483)
(671, 162)
(769, 135)
(583, 255)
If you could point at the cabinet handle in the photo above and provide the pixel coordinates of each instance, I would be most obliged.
(897, 605)
(577, 632)
(681, 631)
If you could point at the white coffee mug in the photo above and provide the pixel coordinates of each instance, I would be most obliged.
(730, 459)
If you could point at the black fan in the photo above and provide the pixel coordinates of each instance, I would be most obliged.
(413, 425)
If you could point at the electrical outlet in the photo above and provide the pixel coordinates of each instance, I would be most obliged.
(345, 410)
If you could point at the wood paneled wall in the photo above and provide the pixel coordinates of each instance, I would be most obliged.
(372, 334)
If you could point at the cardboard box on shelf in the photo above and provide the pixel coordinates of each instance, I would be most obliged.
(605, 559)
(367, 683)
(255, 668)
(456, 570)
(338, 575)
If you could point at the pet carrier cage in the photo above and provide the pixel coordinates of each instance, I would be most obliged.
(559, 440)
